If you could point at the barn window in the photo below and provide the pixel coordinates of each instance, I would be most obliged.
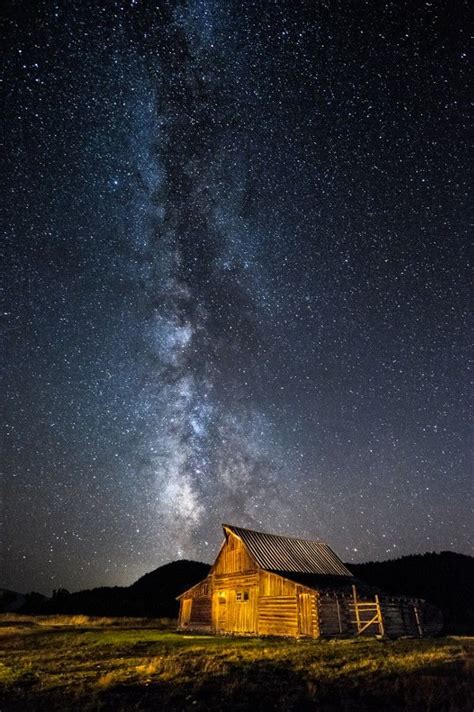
(241, 596)
(221, 596)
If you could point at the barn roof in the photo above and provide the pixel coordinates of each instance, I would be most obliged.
(285, 554)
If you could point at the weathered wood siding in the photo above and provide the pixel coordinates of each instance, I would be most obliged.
(234, 610)
(237, 580)
(201, 612)
(202, 588)
(277, 606)
(195, 608)
(238, 597)
(274, 585)
(399, 618)
(278, 615)
(233, 558)
(234, 603)
(195, 614)
(308, 623)
(234, 590)
(335, 616)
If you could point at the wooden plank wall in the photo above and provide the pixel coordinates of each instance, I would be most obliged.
(201, 612)
(399, 618)
(335, 616)
(274, 585)
(308, 623)
(394, 618)
(278, 615)
(233, 558)
(231, 615)
(201, 589)
(238, 580)
(238, 597)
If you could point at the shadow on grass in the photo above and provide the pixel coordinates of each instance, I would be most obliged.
(264, 686)
(268, 687)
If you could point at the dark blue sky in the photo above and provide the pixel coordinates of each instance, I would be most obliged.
(236, 281)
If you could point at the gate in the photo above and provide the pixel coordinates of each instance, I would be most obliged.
(368, 614)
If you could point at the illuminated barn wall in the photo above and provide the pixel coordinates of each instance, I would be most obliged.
(241, 596)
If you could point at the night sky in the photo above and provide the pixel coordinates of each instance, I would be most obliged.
(235, 261)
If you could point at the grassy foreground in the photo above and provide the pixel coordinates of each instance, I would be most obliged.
(76, 663)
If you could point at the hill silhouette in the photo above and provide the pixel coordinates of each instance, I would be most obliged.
(445, 580)
(153, 595)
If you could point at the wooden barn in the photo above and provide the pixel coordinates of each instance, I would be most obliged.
(264, 584)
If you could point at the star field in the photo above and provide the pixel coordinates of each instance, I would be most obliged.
(236, 281)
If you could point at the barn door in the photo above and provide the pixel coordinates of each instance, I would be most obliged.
(186, 605)
(305, 614)
(222, 611)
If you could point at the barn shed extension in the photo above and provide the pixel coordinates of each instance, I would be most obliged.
(265, 584)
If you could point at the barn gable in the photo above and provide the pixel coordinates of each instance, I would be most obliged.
(234, 556)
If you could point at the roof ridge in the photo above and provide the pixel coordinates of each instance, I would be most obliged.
(281, 536)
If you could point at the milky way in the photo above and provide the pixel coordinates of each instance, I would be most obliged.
(236, 281)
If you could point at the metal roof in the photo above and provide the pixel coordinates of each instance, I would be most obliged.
(286, 554)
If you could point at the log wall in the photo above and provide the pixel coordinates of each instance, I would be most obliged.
(278, 615)
(201, 612)
(335, 616)
(195, 609)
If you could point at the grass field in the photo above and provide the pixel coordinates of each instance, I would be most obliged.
(76, 663)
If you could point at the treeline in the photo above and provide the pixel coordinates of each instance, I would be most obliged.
(153, 595)
(445, 580)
